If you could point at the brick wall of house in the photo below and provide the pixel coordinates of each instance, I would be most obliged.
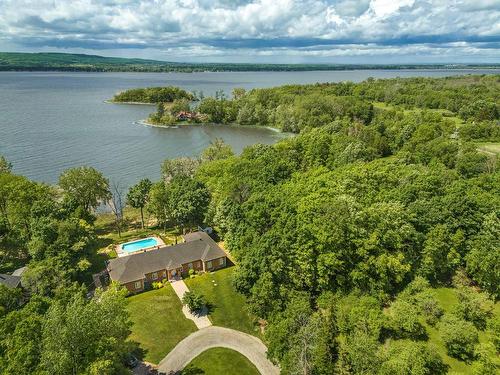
(161, 274)
(197, 266)
(216, 264)
(131, 286)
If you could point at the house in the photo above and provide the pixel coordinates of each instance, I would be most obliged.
(199, 252)
(14, 280)
(10, 281)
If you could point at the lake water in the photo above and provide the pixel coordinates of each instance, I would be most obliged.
(53, 121)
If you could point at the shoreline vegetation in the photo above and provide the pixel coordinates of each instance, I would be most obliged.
(295, 108)
(13, 61)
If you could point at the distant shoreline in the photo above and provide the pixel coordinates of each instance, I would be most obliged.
(263, 70)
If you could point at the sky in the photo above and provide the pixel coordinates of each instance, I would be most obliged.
(265, 31)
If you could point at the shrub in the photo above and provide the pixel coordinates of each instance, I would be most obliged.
(430, 307)
(403, 357)
(487, 360)
(474, 307)
(191, 273)
(157, 285)
(194, 301)
(405, 321)
(459, 337)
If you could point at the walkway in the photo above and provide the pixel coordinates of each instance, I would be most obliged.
(212, 337)
(200, 320)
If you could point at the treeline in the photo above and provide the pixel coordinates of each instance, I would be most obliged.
(153, 95)
(47, 61)
(473, 99)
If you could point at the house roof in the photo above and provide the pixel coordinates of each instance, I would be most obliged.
(19, 271)
(198, 246)
(10, 281)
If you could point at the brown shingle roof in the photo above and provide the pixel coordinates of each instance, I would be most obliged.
(198, 246)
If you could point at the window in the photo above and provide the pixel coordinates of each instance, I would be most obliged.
(190, 266)
(221, 261)
(209, 264)
(154, 275)
(138, 285)
(164, 273)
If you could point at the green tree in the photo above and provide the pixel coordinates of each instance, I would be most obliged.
(188, 201)
(79, 336)
(138, 196)
(171, 168)
(459, 337)
(487, 361)
(5, 166)
(159, 204)
(474, 306)
(440, 258)
(483, 261)
(85, 185)
(217, 150)
(406, 357)
(194, 301)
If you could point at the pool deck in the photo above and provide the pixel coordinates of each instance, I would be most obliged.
(122, 253)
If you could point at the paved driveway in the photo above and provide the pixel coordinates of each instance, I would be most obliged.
(212, 337)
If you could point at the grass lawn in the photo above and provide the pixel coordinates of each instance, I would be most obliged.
(158, 322)
(447, 298)
(218, 361)
(228, 307)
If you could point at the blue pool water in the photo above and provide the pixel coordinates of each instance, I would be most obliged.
(130, 247)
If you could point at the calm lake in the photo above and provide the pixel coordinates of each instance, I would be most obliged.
(53, 121)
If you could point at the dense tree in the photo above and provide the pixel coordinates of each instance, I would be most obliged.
(216, 151)
(138, 196)
(405, 357)
(483, 261)
(188, 201)
(171, 168)
(72, 334)
(85, 185)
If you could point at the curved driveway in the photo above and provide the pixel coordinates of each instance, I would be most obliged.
(212, 337)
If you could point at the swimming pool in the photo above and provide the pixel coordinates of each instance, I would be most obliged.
(131, 247)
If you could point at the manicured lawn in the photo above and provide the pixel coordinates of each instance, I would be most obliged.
(158, 322)
(218, 361)
(228, 307)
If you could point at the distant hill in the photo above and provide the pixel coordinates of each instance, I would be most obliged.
(13, 61)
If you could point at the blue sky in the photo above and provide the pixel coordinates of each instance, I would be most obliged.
(276, 31)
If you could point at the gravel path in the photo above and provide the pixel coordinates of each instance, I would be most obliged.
(211, 337)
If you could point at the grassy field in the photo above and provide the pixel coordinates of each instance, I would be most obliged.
(218, 361)
(227, 306)
(447, 298)
(444, 112)
(158, 322)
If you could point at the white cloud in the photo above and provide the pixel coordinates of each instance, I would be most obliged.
(266, 27)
